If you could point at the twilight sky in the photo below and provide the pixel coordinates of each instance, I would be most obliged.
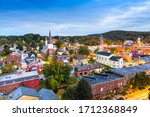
(73, 17)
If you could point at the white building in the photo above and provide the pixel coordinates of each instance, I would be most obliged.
(109, 59)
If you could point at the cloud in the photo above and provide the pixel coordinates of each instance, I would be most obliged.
(128, 17)
(43, 27)
(133, 16)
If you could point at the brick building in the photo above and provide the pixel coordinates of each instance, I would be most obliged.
(13, 58)
(101, 84)
(88, 69)
(130, 72)
(10, 82)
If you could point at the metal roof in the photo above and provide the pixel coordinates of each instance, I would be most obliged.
(45, 48)
(15, 78)
(47, 94)
(88, 67)
(115, 58)
(104, 53)
(102, 78)
(22, 91)
(146, 58)
(132, 70)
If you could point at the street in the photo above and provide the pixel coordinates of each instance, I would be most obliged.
(138, 95)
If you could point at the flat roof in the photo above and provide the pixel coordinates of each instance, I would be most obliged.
(88, 67)
(102, 78)
(131, 70)
(104, 53)
(146, 58)
(13, 78)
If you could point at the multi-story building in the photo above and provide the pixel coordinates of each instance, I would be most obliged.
(130, 72)
(109, 59)
(115, 80)
(12, 81)
(14, 57)
(88, 69)
(48, 49)
(101, 84)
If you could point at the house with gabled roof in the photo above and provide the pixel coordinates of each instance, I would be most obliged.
(109, 59)
(28, 93)
(48, 49)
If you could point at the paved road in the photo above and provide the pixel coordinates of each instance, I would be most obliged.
(138, 95)
(142, 97)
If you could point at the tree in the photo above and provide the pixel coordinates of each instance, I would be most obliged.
(56, 68)
(56, 73)
(20, 47)
(52, 83)
(59, 43)
(66, 70)
(141, 80)
(84, 50)
(96, 50)
(113, 50)
(84, 91)
(7, 50)
(70, 94)
(8, 68)
(71, 52)
(149, 96)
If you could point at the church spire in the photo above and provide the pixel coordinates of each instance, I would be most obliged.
(49, 38)
(101, 43)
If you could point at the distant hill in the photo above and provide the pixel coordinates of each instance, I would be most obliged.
(112, 37)
(126, 35)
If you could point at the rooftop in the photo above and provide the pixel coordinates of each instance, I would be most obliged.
(115, 58)
(104, 53)
(102, 78)
(80, 56)
(88, 67)
(22, 91)
(47, 94)
(15, 53)
(45, 48)
(132, 70)
(43, 94)
(12, 78)
(146, 58)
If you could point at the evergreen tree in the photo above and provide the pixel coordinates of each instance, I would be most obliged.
(84, 90)
(70, 94)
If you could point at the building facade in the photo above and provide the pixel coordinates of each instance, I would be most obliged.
(13, 58)
(101, 84)
(48, 49)
(88, 69)
(109, 59)
(10, 82)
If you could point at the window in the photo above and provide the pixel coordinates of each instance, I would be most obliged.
(85, 73)
(102, 89)
(81, 74)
